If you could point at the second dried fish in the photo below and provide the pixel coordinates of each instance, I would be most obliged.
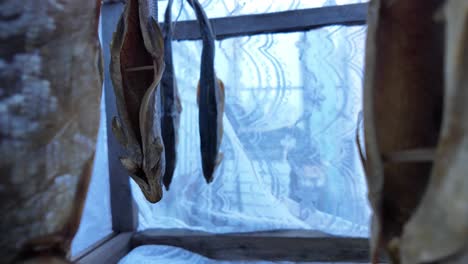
(170, 99)
(210, 99)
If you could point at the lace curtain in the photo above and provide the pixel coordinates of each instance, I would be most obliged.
(289, 154)
(290, 160)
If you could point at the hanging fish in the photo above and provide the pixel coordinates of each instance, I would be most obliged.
(403, 93)
(170, 99)
(210, 98)
(437, 231)
(137, 43)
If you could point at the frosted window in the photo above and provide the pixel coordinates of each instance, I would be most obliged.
(96, 220)
(290, 160)
(224, 8)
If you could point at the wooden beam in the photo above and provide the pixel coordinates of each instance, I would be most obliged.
(287, 245)
(279, 22)
(109, 252)
(91, 248)
(411, 155)
(123, 209)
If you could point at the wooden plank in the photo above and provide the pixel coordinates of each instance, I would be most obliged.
(93, 247)
(123, 209)
(411, 155)
(278, 22)
(110, 252)
(285, 245)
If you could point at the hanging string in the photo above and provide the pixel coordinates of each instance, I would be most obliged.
(178, 15)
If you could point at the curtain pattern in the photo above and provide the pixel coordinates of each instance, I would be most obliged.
(290, 159)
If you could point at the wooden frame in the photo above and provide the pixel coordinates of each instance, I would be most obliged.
(277, 245)
(290, 245)
(109, 251)
(123, 210)
(279, 22)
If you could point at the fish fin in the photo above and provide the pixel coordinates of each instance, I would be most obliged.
(157, 49)
(158, 45)
(118, 132)
(198, 94)
(358, 142)
(130, 165)
(221, 86)
(134, 171)
(219, 159)
(178, 103)
(221, 93)
(154, 154)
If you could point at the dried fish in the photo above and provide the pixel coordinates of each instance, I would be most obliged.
(138, 42)
(402, 111)
(170, 99)
(50, 66)
(210, 98)
(438, 231)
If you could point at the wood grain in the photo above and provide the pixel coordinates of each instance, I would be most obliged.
(283, 245)
(110, 252)
(278, 22)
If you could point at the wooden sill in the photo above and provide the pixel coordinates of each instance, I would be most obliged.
(109, 251)
(282, 245)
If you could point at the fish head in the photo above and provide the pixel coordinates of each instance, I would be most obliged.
(148, 181)
(154, 165)
(154, 191)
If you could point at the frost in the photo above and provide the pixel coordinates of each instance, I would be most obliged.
(30, 99)
(66, 181)
(28, 18)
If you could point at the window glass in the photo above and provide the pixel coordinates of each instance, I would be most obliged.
(290, 158)
(96, 221)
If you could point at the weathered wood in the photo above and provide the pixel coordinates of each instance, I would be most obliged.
(50, 87)
(109, 252)
(141, 68)
(410, 155)
(286, 245)
(92, 247)
(123, 209)
(278, 22)
(403, 95)
(438, 231)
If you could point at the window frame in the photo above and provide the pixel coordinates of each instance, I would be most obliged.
(302, 245)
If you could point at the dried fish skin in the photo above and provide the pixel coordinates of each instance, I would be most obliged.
(210, 98)
(138, 42)
(438, 231)
(170, 99)
(50, 88)
(403, 94)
